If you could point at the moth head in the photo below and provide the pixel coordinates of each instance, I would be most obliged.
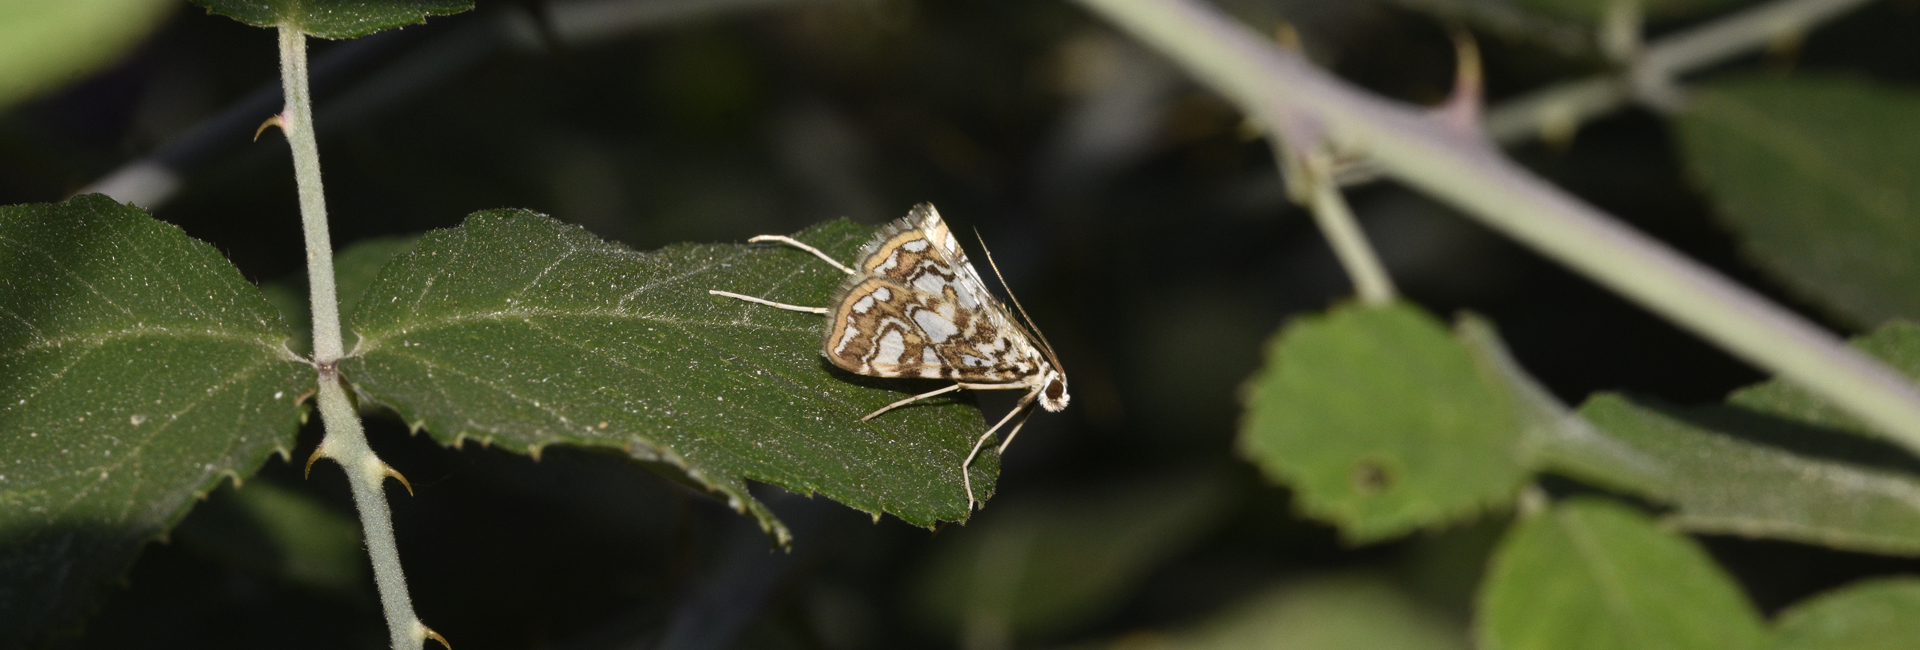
(1053, 390)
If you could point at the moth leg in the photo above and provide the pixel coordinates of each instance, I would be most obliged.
(967, 479)
(911, 400)
(1016, 431)
(811, 310)
(796, 244)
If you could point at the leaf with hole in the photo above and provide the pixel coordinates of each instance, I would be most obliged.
(1592, 574)
(140, 368)
(1381, 422)
(334, 18)
(518, 330)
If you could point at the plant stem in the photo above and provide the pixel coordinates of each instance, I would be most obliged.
(1337, 224)
(1277, 87)
(297, 122)
(345, 442)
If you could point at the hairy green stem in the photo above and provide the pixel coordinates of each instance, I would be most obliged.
(345, 442)
(1465, 170)
(297, 122)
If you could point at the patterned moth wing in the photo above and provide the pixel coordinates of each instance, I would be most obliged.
(917, 308)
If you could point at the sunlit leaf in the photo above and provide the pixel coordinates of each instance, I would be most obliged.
(1381, 423)
(51, 43)
(334, 18)
(1591, 574)
(517, 330)
(139, 368)
(1820, 177)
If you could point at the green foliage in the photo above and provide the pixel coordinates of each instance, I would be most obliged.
(1381, 422)
(1772, 462)
(334, 18)
(1881, 614)
(1820, 176)
(49, 43)
(519, 330)
(1036, 568)
(140, 369)
(279, 532)
(1355, 611)
(1591, 574)
(1897, 343)
(1729, 470)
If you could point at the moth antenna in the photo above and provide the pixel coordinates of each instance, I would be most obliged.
(1044, 345)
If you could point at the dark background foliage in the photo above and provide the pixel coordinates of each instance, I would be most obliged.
(1146, 232)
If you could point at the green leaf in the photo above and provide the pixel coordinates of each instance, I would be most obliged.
(1355, 611)
(282, 533)
(520, 330)
(1381, 422)
(51, 43)
(1897, 343)
(1591, 574)
(139, 368)
(1774, 462)
(334, 18)
(1731, 470)
(1882, 614)
(1036, 568)
(1820, 177)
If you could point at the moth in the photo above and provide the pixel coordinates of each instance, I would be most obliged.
(913, 306)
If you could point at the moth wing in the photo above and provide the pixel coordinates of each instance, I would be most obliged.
(881, 328)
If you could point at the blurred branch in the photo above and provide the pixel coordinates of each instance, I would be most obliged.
(1504, 18)
(1279, 88)
(1651, 77)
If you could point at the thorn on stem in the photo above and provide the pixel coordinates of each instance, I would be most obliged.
(1288, 37)
(279, 120)
(428, 633)
(388, 470)
(1463, 107)
(318, 453)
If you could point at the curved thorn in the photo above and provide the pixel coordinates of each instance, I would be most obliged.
(388, 470)
(1288, 37)
(428, 632)
(279, 121)
(318, 453)
(1463, 107)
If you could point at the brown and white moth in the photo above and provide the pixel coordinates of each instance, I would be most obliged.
(913, 306)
